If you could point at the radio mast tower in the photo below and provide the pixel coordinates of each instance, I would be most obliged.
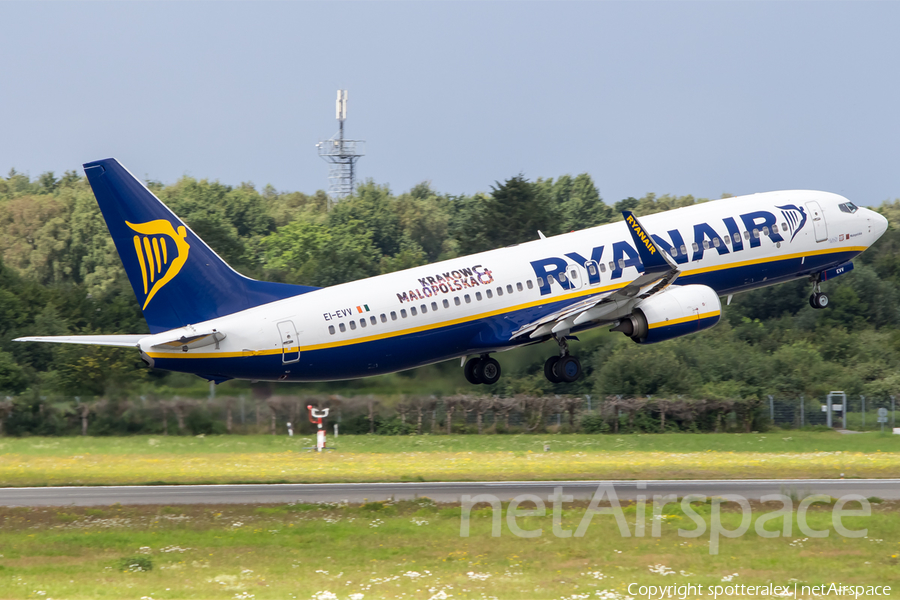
(341, 154)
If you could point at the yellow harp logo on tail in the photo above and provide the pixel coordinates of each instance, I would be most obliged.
(154, 246)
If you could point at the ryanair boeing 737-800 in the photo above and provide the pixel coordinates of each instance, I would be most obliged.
(652, 279)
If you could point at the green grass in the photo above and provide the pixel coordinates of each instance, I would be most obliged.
(407, 550)
(243, 459)
(775, 442)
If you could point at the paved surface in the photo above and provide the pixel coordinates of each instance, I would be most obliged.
(888, 489)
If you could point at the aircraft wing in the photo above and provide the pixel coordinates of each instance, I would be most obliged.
(118, 341)
(659, 273)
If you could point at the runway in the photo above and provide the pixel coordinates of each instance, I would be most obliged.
(887, 489)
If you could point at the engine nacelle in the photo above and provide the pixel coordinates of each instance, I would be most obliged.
(678, 311)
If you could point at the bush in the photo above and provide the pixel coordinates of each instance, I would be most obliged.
(394, 427)
(136, 564)
(594, 423)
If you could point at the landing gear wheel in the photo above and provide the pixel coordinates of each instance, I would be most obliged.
(487, 371)
(550, 370)
(818, 301)
(568, 369)
(470, 370)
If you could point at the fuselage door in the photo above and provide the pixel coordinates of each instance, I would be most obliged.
(818, 220)
(593, 272)
(290, 344)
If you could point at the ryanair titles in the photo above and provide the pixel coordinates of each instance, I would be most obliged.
(724, 237)
(446, 283)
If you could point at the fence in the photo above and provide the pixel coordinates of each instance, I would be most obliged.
(862, 412)
(426, 414)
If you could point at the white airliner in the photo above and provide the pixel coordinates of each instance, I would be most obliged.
(653, 279)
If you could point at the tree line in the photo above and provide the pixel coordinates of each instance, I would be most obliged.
(60, 274)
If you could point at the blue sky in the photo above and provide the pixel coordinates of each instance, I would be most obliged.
(685, 98)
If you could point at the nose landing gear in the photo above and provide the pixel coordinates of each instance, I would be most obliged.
(483, 369)
(564, 368)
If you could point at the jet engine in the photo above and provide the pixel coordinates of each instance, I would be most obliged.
(677, 311)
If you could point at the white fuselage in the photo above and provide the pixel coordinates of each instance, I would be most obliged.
(473, 304)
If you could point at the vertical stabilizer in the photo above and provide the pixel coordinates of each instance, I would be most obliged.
(176, 277)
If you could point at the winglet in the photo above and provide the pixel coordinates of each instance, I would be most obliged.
(652, 257)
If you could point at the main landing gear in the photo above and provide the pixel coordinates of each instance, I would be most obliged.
(818, 300)
(483, 369)
(564, 368)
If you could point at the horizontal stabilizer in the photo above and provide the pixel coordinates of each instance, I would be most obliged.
(191, 339)
(118, 341)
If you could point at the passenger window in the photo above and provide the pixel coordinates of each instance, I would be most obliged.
(573, 274)
(746, 235)
(434, 305)
(499, 291)
(621, 263)
(412, 311)
(403, 313)
(737, 238)
(695, 247)
(519, 286)
(362, 322)
(478, 296)
(706, 244)
(446, 303)
(489, 293)
(424, 309)
(727, 240)
(603, 267)
(683, 249)
(562, 277)
(353, 325)
(383, 318)
(765, 231)
(756, 233)
(373, 320)
(716, 242)
(784, 226)
(508, 288)
(456, 300)
(393, 316)
(529, 284)
(592, 270)
(612, 266)
(342, 328)
(331, 329)
(540, 281)
(673, 251)
(468, 300)
(549, 279)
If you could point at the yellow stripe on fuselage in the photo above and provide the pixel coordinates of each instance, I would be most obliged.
(539, 302)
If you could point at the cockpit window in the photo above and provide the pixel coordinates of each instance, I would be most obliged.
(848, 207)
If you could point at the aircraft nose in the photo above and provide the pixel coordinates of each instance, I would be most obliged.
(879, 223)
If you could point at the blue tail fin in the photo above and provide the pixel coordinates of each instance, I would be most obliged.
(176, 277)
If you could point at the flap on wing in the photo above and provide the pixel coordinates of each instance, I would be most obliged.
(119, 341)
